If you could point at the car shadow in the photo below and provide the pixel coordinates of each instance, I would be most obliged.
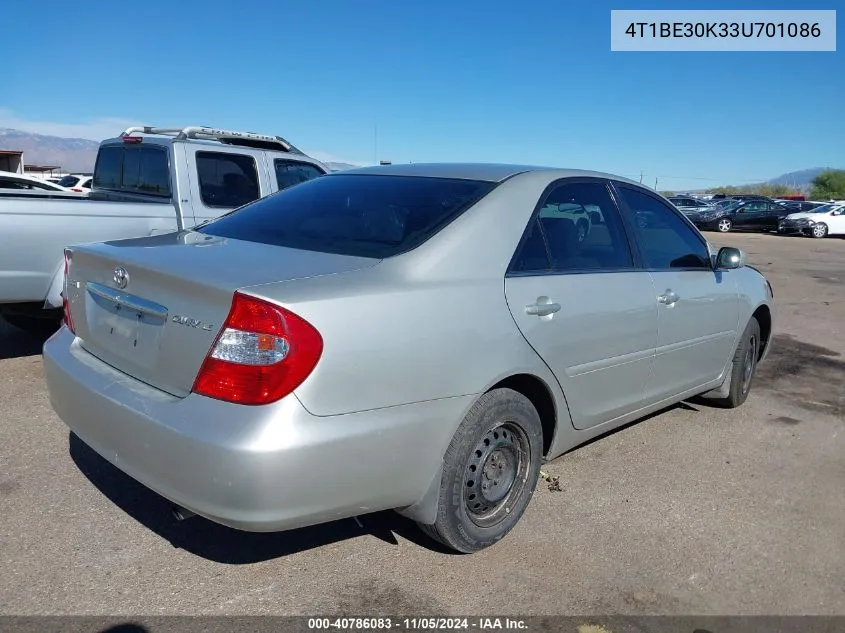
(221, 544)
(15, 343)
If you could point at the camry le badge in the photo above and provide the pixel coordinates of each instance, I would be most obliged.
(183, 320)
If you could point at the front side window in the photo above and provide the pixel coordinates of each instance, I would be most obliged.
(582, 230)
(292, 172)
(359, 215)
(227, 180)
(666, 241)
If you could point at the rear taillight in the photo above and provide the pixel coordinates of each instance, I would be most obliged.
(262, 353)
(68, 321)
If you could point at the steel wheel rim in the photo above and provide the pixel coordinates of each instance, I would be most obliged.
(724, 226)
(819, 230)
(748, 364)
(496, 474)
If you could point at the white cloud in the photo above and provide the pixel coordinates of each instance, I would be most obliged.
(94, 129)
(100, 128)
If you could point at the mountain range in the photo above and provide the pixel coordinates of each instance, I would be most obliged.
(75, 155)
(78, 155)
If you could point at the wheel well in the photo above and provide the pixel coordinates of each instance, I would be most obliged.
(538, 393)
(764, 318)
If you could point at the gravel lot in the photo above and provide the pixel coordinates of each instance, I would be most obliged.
(692, 511)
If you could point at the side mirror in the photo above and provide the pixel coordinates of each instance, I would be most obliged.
(729, 258)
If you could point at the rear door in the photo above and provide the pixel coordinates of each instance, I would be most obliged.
(223, 180)
(582, 304)
(698, 307)
(774, 213)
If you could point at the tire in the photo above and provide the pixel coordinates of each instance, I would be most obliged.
(744, 366)
(819, 230)
(582, 228)
(41, 327)
(724, 225)
(472, 512)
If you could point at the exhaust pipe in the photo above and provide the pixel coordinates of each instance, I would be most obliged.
(180, 513)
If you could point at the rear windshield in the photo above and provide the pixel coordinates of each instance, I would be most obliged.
(136, 169)
(68, 181)
(360, 215)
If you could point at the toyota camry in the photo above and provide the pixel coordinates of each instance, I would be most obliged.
(411, 337)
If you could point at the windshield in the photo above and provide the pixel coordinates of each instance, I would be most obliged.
(822, 209)
(361, 215)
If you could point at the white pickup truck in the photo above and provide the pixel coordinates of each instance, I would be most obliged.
(148, 180)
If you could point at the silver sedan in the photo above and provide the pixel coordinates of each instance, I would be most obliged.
(409, 337)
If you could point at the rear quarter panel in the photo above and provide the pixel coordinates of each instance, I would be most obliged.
(430, 324)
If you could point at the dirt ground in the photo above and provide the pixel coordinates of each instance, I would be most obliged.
(695, 510)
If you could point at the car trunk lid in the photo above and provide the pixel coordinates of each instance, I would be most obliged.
(152, 307)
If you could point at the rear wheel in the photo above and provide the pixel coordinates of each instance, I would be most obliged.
(490, 471)
(744, 366)
(724, 225)
(819, 230)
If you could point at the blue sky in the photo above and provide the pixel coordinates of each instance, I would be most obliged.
(527, 82)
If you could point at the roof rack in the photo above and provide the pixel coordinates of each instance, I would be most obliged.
(231, 137)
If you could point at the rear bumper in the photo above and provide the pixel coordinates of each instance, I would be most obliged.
(251, 468)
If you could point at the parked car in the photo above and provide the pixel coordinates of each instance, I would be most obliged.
(686, 204)
(146, 181)
(80, 183)
(415, 337)
(820, 222)
(750, 196)
(10, 180)
(797, 206)
(750, 215)
(581, 216)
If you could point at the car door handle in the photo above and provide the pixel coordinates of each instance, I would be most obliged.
(542, 309)
(669, 297)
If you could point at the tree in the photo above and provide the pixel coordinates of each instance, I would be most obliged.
(829, 185)
(772, 191)
(667, 194)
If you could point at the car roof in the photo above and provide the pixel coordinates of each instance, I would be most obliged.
(15, 175)
(490, 172)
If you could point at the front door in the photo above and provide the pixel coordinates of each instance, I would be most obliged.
(751, 215)
(582, 305)
(698, 307)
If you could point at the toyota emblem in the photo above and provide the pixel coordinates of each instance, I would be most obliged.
(120, 277)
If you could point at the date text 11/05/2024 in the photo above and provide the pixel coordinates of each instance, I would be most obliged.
(724, 29)
(416, 624)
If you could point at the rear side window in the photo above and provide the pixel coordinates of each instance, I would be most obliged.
(70, 181)
(291, 172)
(360, 215)
(133, 169)
(227, 180)
(582, 229)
